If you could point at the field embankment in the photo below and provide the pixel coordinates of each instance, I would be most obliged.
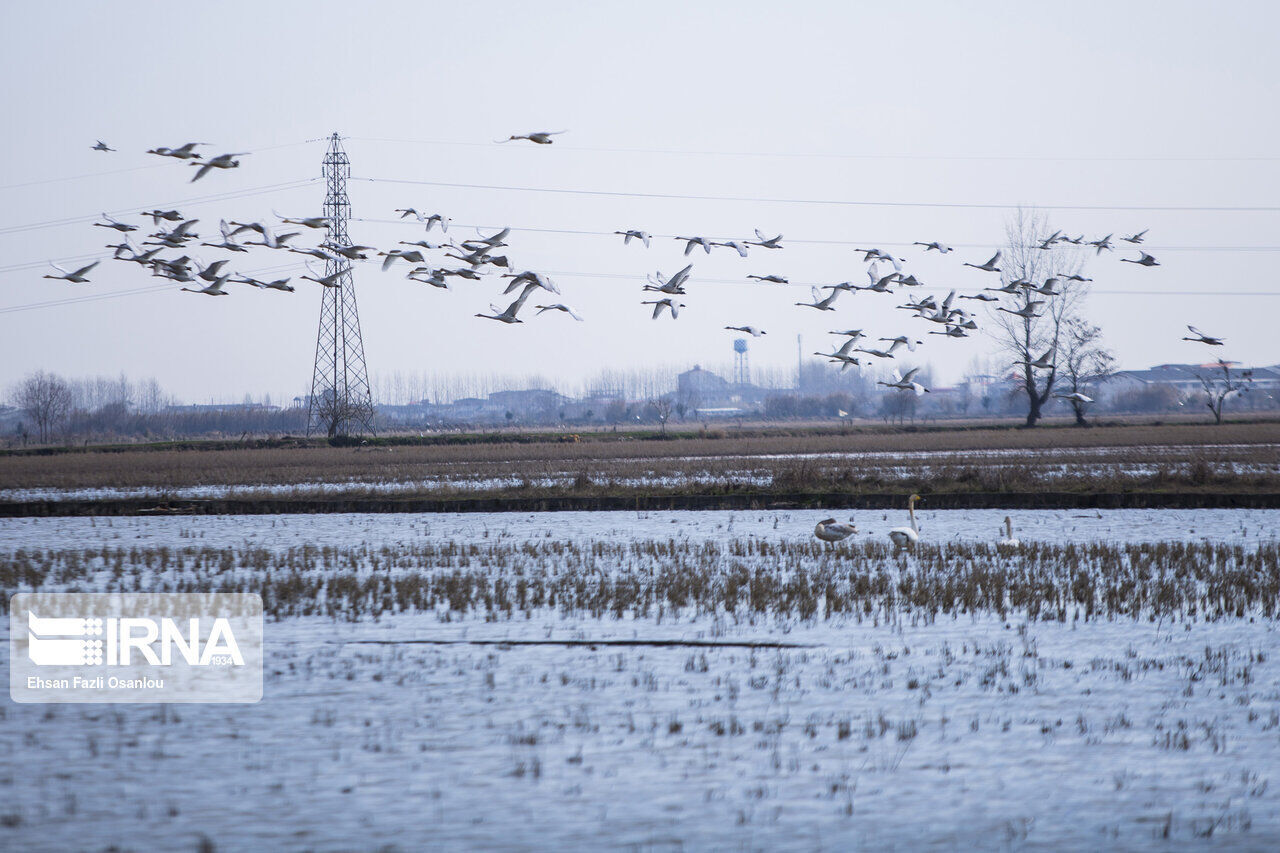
(1145, 465)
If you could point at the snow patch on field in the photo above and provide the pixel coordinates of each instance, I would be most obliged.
(287, 531)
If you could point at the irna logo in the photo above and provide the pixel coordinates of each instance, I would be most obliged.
(129, 641)
(134, 647)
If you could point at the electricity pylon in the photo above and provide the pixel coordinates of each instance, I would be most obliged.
(341, 402)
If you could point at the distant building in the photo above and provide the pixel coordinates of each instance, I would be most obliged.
(701, 386)
(1182, 381)
(533, 401)
(205, 408)
(538, 405)
(701, 390)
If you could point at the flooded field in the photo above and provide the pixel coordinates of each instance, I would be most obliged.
(679, 680)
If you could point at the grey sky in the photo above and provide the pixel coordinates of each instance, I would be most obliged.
(935, 84)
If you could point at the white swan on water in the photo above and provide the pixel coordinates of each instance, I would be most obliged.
(907, 537)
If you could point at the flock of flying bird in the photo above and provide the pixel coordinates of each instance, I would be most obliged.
(474, 256)
(478, 256)
(955, 322)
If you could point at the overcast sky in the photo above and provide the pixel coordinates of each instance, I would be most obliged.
(1092, 104)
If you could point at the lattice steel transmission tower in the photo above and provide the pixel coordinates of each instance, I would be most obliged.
(341, 401)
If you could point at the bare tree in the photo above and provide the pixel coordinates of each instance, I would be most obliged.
(1085, 362)
(1219, 389)
(151, 397)
(662, 411)
(1028, 322)
(46, 397)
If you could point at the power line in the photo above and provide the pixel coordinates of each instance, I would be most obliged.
(846, 155)
(823, 201)
(622, 276)
(904, 291)
(197, 200)
(35, 265)
(115, 294)
(867, 243)
(75, 300)
(43, 181)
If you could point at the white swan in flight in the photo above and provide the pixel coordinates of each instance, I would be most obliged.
(905, 382)
(331, 280)
(989, 266)
(222, 161)
(186, 152)
(1044, 362)
(844, 354)
(1027, 312)
(211, 272)
(559, 306)
(412, 256)
(116, 224)
(750, 330)
(508, 316)
(765, 242)
(1144, 261)
(167, 215)
(632, 234)
(278, 284)
(822, 303)
(271, 239)
(1202, 338)
(673, 285)
(897, 344)
(658, 305)
(903, 341)
(530, 277)
(740, 248)
(318, 222)
(228, 241)
(435, 278)
(690, 242)
(422, 244)
(907, 537)
(214, 289)
(541, 137)
(493, 241)
(77, 276)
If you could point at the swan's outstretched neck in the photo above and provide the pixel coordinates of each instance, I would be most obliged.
(1008, 527)
(911, 506)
